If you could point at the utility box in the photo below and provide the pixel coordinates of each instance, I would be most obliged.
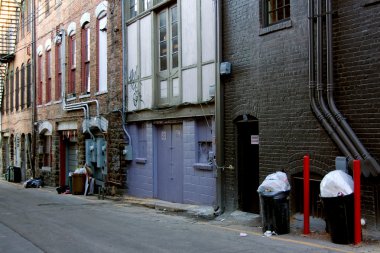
(127, 153)
(101, 149)
(91, 153)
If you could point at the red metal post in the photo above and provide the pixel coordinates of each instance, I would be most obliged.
(357, 208)
(306, 195)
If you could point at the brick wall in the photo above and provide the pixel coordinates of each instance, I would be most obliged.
(269, 81)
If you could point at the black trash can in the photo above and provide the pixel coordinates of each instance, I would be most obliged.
(14, 174)
(274, 208)
(339, 216)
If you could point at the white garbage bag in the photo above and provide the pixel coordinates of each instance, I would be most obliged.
(273, 183)
(336, 183)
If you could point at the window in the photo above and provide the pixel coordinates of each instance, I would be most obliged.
(48, 76)
(11, 91)
(23, 16)
(169, 89)
(276, 11)
(204, 140)
(58, 72)
(47, 150)
(145, 5)
(72, 65)
(132, 8)
(7, 94)
(22, 77)
(29, 15)
(102, 54)
(28, 84)
(17, 84)
(39, 81)
(138, 6)
(85, 50)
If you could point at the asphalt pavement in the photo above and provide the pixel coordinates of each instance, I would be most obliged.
(40, 220)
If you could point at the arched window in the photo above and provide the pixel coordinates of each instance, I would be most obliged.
(17, 89)
(11, 91)
(58, 71)
(22, 81)
(48, 74)
(85, 65)
(101, 46)
(71, 59)
(28, 84)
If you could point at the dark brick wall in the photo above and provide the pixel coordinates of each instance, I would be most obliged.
(269, 81)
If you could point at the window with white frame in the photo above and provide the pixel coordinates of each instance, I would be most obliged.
(48, 76)
(168, 85)
(39, 81)
(17, 88)
(204, 140)
(28, 84)
(85, 52)
(72, 65)
(135, 7)
(102, 53)
(58, 71)
(22, 82)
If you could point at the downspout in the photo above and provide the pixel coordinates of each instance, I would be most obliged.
(33, 90)
(125, 83)
(321, 100)
(321, 118)
(370, 163)
(219, 121)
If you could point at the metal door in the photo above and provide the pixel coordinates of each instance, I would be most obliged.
(170, 163)
(248, 165)
(71, 158)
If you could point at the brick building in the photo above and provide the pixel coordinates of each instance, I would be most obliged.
(75, 96)
(269, 123)
(16, 86)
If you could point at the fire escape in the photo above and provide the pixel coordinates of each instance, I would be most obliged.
(9, 20)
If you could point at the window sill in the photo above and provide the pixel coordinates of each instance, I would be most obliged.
(275, 27)
(85, 95)
(50, 103)
(141, 160)
(101, 93)
(58, 101)
(203, 166)
(71, 98)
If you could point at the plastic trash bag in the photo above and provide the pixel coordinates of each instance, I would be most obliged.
(336, 183)
(33, 183)
(274, 183)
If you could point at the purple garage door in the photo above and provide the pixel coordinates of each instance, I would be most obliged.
(170, 163)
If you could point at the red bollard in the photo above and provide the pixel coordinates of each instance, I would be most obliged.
(306, 195)
(357, 208)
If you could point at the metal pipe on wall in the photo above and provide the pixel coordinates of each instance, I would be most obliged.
(324, 108)
(219, 108)
(370, 164)
(321, 118)
(125, 83)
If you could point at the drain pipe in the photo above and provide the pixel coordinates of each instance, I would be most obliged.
(219, 110)
(125, 83)
(321, 100)
(369, 162)
(321, 118)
